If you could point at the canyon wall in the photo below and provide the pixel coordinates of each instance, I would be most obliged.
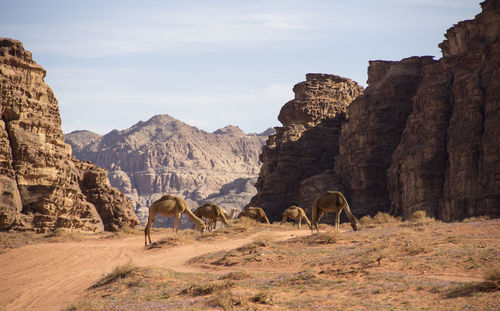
(306, 144)
(41, 186)
(164, 155)
(448, 161)
(424, 135)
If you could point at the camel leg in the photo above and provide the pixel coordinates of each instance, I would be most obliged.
(337, 221)
(147, 230)
(176, 222)
(300, 222)
(283, 220)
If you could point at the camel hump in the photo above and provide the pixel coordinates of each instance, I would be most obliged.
(167, 197)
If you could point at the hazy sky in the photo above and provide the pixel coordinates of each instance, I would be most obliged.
(212, 63)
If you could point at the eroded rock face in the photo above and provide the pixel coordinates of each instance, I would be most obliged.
(164, 155)
(373, 131)
(307, 143)
(39, 183)
(425, 135)
(448, 160)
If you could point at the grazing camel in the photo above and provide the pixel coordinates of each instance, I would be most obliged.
(331, 202)
(296, 213)
(212, 212)
(170, 206)
(256, 213)
(228, 216)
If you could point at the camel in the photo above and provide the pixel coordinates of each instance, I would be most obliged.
(331, 202)
(296, 213)
(170, 206)
(212, 212)
(228, 216)
(256, 213)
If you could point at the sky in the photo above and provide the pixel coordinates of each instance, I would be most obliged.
(209, 63)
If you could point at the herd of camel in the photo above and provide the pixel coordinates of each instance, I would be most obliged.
(172, 206)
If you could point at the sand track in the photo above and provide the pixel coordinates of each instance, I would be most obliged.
(49, 276)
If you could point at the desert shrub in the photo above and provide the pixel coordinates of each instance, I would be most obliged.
(492, 274)
(421, 218)
(382, 218)
(491, 283)
(119, 272)
(379, 218)
(207, 289)
(263, 298)
(226, 301)
(476, 218)
(244, 223)
(236, 276)
(366, 220)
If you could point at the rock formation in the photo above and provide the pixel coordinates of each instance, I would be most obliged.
(448, 160)
(425, 135)
(306, 144)
(164, 155)
(373, 131)
(40, 182)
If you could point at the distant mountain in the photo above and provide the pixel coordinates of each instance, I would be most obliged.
(165, 155)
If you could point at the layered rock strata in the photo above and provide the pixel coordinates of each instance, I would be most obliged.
(40, 183)
(306, 144)
(164, 155)
(425, 135)
(448, 161)
(372, 132)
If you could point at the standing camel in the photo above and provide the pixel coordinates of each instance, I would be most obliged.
(331, 202)
(228, 216)
(212, 212)
(170, 206)
(256, 213)
(296, 213)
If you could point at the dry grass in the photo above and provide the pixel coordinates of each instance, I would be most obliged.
(428, 267)
(421, 218)
(379, 218)
(207, 289)
(476, 218)
(119, 272)
(244, 223)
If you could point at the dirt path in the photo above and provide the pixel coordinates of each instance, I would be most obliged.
(49, 276)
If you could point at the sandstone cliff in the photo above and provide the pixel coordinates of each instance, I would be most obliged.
(373, 131)
(165, 155)
(40, 184)
(306, 144)
(425, 135)
(448, 161)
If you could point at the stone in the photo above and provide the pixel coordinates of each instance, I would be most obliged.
(307, 143)
(39, 185)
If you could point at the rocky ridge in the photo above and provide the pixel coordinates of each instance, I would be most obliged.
(164, 155)
(425, 135)
(41, 186)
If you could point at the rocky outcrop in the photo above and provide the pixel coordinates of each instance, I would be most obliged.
(39, 184)
(373, 131)
(307, 143)
(448, 160)
(425, 135)
(165, 155)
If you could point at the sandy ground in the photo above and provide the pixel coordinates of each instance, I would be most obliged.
(50, 276)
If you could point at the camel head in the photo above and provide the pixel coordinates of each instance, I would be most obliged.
(354, 225)
(203, 228)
